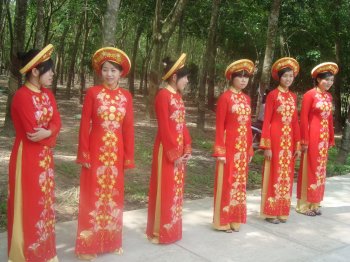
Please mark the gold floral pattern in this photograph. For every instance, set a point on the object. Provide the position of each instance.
(178, 116)
(286, 108)
(46, 225)
(324, 104)
(107, 216)
(242, 108)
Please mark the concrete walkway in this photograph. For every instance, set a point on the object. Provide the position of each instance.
(302, 238)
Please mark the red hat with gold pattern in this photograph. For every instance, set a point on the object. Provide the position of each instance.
(177, 65)
(111, 54)
(239, 65)
(42, 56)
(284, 63)
(325, 67)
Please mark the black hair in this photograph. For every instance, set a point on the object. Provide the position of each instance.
(114, 64)
(42, 67)
(168, 64)
(284, 70)
(241, 73)
(323, 75)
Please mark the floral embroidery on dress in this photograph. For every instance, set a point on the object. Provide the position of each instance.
(324, 104)
(179, 117)
(242, 108)
(107, 215)
(46, 225)
(283, 186)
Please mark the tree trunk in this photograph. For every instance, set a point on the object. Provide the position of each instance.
(110, 23)
(339, 56)
(59, 62)
(162, 31)
(207, 59)
(133, 59)
(269, 51)
(39, 35)
(16, 46)
(211, 78)
(73, 58)
(82, 63)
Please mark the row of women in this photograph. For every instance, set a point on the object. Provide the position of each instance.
(106, 148)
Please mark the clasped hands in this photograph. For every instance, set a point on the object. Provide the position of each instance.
(40, 134)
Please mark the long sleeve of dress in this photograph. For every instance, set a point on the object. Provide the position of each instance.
(85, 126)
(168, 139)
(54, 125)
(296, 127)
(29, 122)
(250, 135)
(187, 141)
(128, 134)
(331, 130)
(304, 118)
(265, 142)
(221, 109)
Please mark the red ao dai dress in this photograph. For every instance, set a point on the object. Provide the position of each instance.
(280, 134)
(173, 140)
(318, 134)
(31, 214)
(106, 142)
(234, 141)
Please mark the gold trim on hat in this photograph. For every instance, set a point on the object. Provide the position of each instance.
(239, 65)
(41, 57)
(325, 67)
(178, 65)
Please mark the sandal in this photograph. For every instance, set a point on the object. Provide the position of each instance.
(317, 211)
(282, 220)
(272, 220)
(309, 213)
(228, 231)
(86, 257)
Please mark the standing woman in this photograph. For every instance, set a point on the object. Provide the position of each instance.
(172, 150)
(317, 136)
(106, 148)
(31, 214)
(233, 149)
(280, 139)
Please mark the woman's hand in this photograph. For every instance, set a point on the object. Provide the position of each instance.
(178, 162)
(304, 148)
(185, 158)
(297, 154)
(268, 154)
(86, 165)
(40, 134)
(221, 159)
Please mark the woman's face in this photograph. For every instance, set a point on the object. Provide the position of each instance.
(110, 74)
(287, 79)
(181, 83)
(326, 83)
(46, 78)
(240, 82)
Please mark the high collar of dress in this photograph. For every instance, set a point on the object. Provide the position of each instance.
(283, 90)
(32, 87)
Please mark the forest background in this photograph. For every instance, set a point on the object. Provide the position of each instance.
(213, 33)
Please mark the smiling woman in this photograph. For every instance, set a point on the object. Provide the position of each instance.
(106, 148)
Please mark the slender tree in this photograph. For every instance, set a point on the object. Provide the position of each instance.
(208, 62)
(110, 23)
(269, 50)
(17, 45)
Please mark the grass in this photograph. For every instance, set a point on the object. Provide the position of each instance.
(333, 167)
(3, 213)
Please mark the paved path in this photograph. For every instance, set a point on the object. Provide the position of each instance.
(302, 238)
